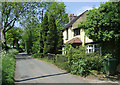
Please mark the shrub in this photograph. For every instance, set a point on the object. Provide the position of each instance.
(94, 63)
(60, 61)
(37, 55)
(12, 51)
(82, 63)
(76, 61)
(80, 68)
(8, 66)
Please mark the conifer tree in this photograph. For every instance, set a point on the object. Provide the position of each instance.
(44, 32)
(51, 39)
(41, 42)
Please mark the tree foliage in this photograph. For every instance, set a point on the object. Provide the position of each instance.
(61, 19)
(22, 12)
(103, 24)
(52, 36)
(13, 36)
(31, 35)
(49, 36)
(42, 26)
(44, 30)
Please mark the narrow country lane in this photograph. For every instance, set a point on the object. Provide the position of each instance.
(29, 70)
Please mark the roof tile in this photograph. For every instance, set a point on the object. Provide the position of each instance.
(74, 40)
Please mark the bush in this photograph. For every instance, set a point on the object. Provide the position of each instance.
(37, 55)
(76, 61)
(8, 66)
(80, 68)
(12, 51)
(60, 61)
(82, 63)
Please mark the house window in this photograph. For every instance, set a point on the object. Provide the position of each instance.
(93, 48)
(76, 32)
(67, 34)
(90, 48)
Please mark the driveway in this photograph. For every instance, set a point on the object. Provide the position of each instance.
(29, 70)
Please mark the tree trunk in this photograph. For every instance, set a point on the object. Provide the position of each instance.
(41, 42)
(17, 45)
(1, 29)
(4, 39)
(13, 43)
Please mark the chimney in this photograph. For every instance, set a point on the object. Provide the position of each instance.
(71, 17)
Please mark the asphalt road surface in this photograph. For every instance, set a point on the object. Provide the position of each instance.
(29, 70)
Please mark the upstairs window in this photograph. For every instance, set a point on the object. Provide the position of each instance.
(76, 32)
(66, 34)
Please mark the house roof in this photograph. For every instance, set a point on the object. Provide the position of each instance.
(74, 40)
(72, 22)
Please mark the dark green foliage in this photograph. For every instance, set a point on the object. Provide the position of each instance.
(8, 66)
(37, 55)
(36, 47)
(41, 42)
(81, 63)
(61, 19)
(13, 36)
(44, 30)
(80, 68)
(18, 12)
(103, 25)
(31, 36)
(28, 42)
(47, 37)
(60, 61)
(21, 46)
(76, 61)
(52, 37)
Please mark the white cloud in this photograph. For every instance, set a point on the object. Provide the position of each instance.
(82, 9)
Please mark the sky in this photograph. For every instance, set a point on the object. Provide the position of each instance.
(79, 7)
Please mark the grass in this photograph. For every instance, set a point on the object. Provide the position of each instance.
(45, 59)
(8, 66)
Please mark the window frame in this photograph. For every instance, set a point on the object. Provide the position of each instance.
(67, 34)
(76, 31)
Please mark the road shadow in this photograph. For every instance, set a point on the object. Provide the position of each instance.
(41, 77)
(22, 56)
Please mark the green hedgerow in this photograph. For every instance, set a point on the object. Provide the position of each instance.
(8, 66)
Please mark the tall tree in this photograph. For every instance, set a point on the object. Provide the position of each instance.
(44, 30)
(17, 11)
(0, 27)
(51, 39)
(13, 36)
(36, 42)
(10, 13)
(30, 35)
(61, 18)
(103, 24)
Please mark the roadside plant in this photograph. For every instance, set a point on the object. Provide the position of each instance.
(82, 63)
(8, 66)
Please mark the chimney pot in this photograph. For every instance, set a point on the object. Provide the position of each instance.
(71, 17)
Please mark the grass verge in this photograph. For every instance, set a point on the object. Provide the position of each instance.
(8, 66)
